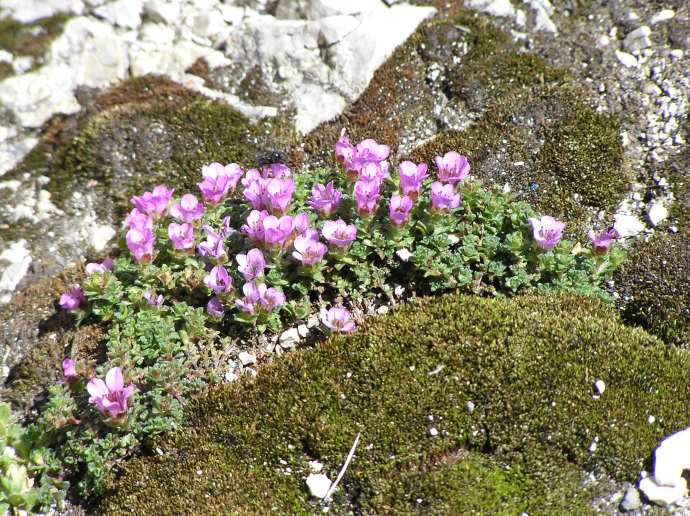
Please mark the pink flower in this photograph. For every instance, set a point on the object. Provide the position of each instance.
(308, 251)
(251, 265)
(259, 297)
(374, 171)
(366, 196)
(151, 299)
(277, 230)
(214, 245)
(411, 178)
(325, 199)
(110, 397)
(254, 228)
(218, 280)
(452, 167)
(399, 210)
(300, 224)
(603, 240)
(547, 231)
(73, 299)
(277, 195)
(101, 268)
(254, 192)
(215, 307)
(271, 298)
(368, 151)
(189, 209)
(181, 235)
(69, 369)
(218, 180)
(344, 152)
(339, 233)
(443, 197)
(276, 171)
(339, 319)
(154, 203)
(140, 242)
(137, 219)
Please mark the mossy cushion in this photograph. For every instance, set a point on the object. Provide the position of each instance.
(528, 365)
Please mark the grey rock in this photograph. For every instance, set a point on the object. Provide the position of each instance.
(638, 39)
(289, 338)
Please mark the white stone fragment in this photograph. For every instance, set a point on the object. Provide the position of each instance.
(662, 495)
(657, 213)
(671, 458)
(403, 254)
(503, 8)
(289, 338)
(638, 39)
(28, 11)
(5, 56)
(123, 13)
(230, 376)
(600, 386)
(318, 485)
(628, 225)
(433, 432)
(315, 466)
(627, 60)
(543, 11)
(661, 16)
(247, 358)
(19, 258)
(631, 500)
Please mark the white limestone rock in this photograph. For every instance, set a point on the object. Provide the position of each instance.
(14, 263)
(164, 11)
(627, 60)
(662, 16)
(543, 10)
(657, 213)
(324, 64)
(638, 39)
(671, 458)
(123, 13)
(628, 225)
(28, 11)
(318, 485)
(34, 97)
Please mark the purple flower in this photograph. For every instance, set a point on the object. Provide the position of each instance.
(368, 151)
(181, 235)
(69, 369)
(218, 180)
(344, 152)
(374, 171)
(252, 264)
(339, 319)
(110, 397)
(308, 251)
(276, 171)
(215, 307)
(213, 246)
(339, 233)
(271, 298)
(73, 299)
(325, 199)
(254, 192)
(189, 209)
(259, 297)
(137, 219)
(249, 303)
(278, 195)
(452, 167)
(153, 203)
(218, 280)
(140, 242)
(603, 240)
(443, 197)
(399, 210)
(300, 224)
(547, 231)
(251, 176)
(254, 228)
(411, 178)
(277, 230)
(151, 299)
(101, 268)
(366, 196)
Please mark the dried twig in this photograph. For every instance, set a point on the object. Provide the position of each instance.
(342, 470)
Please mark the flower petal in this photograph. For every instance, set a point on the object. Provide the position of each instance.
(114, 380)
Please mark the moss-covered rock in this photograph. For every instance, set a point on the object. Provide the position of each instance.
(527, 365)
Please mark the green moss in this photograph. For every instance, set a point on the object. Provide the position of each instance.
(583, 153)
(140, 138)
(527, 364)
(31, 39)
(577, 170)
(6, 70)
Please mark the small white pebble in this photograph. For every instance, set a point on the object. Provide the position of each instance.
(593, 447)
(199, 472)
(651, 420)
(247, 358)
(318, 485)
(600, 386)
(469, 406)
(433, 432)
(315, 466)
